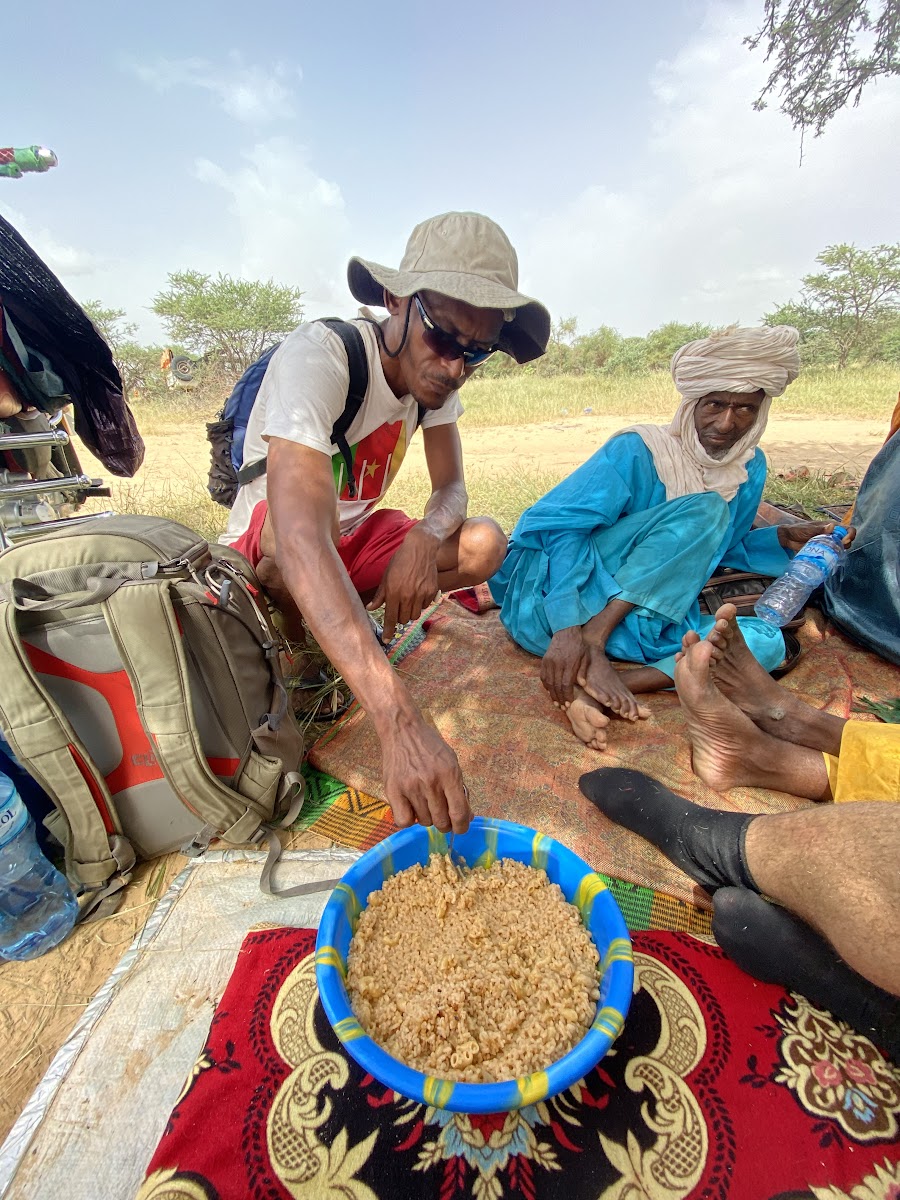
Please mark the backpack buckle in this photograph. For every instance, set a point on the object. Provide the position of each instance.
(199, 843)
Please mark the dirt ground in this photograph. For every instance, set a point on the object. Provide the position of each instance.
(822, 445)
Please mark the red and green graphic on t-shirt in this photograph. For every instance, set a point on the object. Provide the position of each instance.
(376, 460)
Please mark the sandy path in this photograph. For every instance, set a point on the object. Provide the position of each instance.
(178, 452)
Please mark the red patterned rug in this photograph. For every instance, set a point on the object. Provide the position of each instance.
(718, 1087)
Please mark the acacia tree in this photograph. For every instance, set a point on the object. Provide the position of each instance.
(137, 365)
(848, 307)
(235, 320)
(825, 52)
(110, 323)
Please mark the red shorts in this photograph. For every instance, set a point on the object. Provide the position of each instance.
(365, 552)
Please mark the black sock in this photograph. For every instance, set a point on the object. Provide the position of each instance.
(705, 843)
(773, 945)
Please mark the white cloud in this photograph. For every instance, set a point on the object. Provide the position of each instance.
(721, 220)
(293, 225)
(64, 260)
(248, 93)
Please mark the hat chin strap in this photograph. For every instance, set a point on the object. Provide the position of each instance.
(379, 332)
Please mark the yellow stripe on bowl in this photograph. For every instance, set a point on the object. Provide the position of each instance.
(589, 888)
(349, 1029)
(328, 956)
(532, 1088)
(438, 843)
(618, 950)
(488, 856)
(609, 1021)
(540, 851)
(437, 1092)
(352, 906)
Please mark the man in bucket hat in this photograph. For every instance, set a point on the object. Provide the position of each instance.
(311, 532)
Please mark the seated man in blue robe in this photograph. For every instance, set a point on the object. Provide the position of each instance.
(609, 564)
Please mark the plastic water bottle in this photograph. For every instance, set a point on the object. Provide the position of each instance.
(808, 569)
(37, 906)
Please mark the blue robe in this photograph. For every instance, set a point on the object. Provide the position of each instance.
(607, 532)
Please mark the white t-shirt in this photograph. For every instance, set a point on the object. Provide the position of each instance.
(303, 393)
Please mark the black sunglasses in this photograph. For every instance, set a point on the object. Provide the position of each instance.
(445, 345)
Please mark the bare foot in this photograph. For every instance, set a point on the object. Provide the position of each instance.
(772, 708)
(588, 720)
(743, 680)
(719, 636)
(726, 745)
(603, 683)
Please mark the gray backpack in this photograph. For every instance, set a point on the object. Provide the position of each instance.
(140, 686)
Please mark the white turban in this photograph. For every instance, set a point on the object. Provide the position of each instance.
(738, 360)
(735, 360)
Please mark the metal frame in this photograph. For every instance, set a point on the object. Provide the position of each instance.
(20, 486)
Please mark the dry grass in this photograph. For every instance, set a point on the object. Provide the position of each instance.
(867, 392)
(184, 500)
(522, 399)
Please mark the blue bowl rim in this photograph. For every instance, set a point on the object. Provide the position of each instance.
(472, 1097)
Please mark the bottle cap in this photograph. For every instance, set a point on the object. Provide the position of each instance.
(839, 531)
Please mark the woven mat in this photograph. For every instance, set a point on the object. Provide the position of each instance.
(706, 1068)
(521, 761)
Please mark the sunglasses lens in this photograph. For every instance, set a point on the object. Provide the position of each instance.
(444, 345)
(441, 344)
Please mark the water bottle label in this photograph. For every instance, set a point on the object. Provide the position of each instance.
(13, 817)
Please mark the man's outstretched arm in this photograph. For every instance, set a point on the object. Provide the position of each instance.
(421, 774)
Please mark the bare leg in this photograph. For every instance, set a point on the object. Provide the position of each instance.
(728, 749)
(641, 680)
(291, 620)
(770, 943)
(837, 868)
(773, 708)
(474, 553)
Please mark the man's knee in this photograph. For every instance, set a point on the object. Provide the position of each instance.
(269, 574)
(482, 547)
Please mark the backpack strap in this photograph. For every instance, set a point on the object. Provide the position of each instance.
(358, 385)
(252, 471)
(41, 736)
(356, 390)
(144, 627)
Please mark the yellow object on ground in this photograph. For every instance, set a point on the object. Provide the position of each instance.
(869, 764)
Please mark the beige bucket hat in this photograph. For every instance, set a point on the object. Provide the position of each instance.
(468, 257)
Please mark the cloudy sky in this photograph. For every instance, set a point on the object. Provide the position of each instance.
(615, 143)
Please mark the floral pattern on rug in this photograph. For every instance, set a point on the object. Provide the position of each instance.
(684, 1106)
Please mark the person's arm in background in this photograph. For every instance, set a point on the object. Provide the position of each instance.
(422, 779)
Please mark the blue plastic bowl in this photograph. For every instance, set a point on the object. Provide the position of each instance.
(485, 841)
